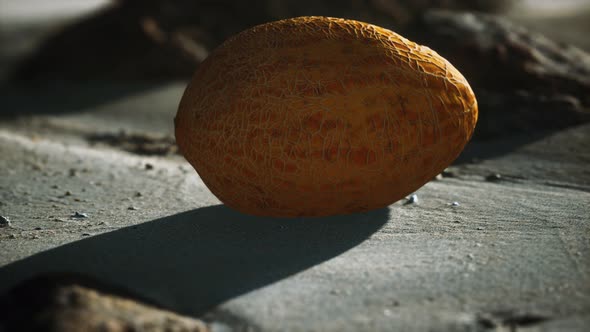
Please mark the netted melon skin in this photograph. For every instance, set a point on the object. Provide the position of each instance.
(317, 116)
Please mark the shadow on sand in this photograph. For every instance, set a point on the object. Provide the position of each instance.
(62, 97)
(194, 260)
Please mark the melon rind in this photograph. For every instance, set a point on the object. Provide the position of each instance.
(317, 116)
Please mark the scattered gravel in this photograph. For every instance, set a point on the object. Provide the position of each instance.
(412, 200)
(494, 177)
(79, 215)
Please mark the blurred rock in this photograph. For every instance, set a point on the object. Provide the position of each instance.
(157, 39)
(522, 80)
(118, 43)
(503, 113)
(405, 11)
(143, 144)
(71, 303)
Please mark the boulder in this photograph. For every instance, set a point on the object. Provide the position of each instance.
(69, 303)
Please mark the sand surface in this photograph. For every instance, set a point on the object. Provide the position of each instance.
(512, 253)
(517, 247)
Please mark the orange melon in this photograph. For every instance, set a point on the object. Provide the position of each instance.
(316, 116)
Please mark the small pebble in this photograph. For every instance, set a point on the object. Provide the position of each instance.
(133, 208)
(72, 172)
(85, 234)
(12, 236)
(68, 193)
(494, 177)
(149, 166)
(38, 228)
(480, 228)
(455, 204)
(4, 222)
(448, 173)
(412, 200)
(137, 194)
(79, 215)
(470, 256)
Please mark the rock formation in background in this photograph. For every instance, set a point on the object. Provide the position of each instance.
(523, 81)
(166, 39)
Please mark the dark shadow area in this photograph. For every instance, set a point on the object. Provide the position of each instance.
(61, 97)
(477, 150)
(194, 260)
(164, 39)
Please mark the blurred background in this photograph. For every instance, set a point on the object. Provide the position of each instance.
(526, 59)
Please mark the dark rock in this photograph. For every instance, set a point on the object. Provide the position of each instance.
(404, 11)
(494, 177)
(523, 81)
(413, 199)
(487, 321)
(79, 215)
(510, 319)
(4, 222)
(510, 112)
(74, 303)
(142, 144)
(167, 39)
(448, 173)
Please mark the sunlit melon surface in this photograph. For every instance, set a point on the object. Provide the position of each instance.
(317, 116)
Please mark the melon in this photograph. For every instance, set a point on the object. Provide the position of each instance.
(318, 116)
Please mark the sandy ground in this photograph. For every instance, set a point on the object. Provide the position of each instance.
(513, 250)
(512, 254)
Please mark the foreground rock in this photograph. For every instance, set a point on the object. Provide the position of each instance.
(522, 80)
(71, 304)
